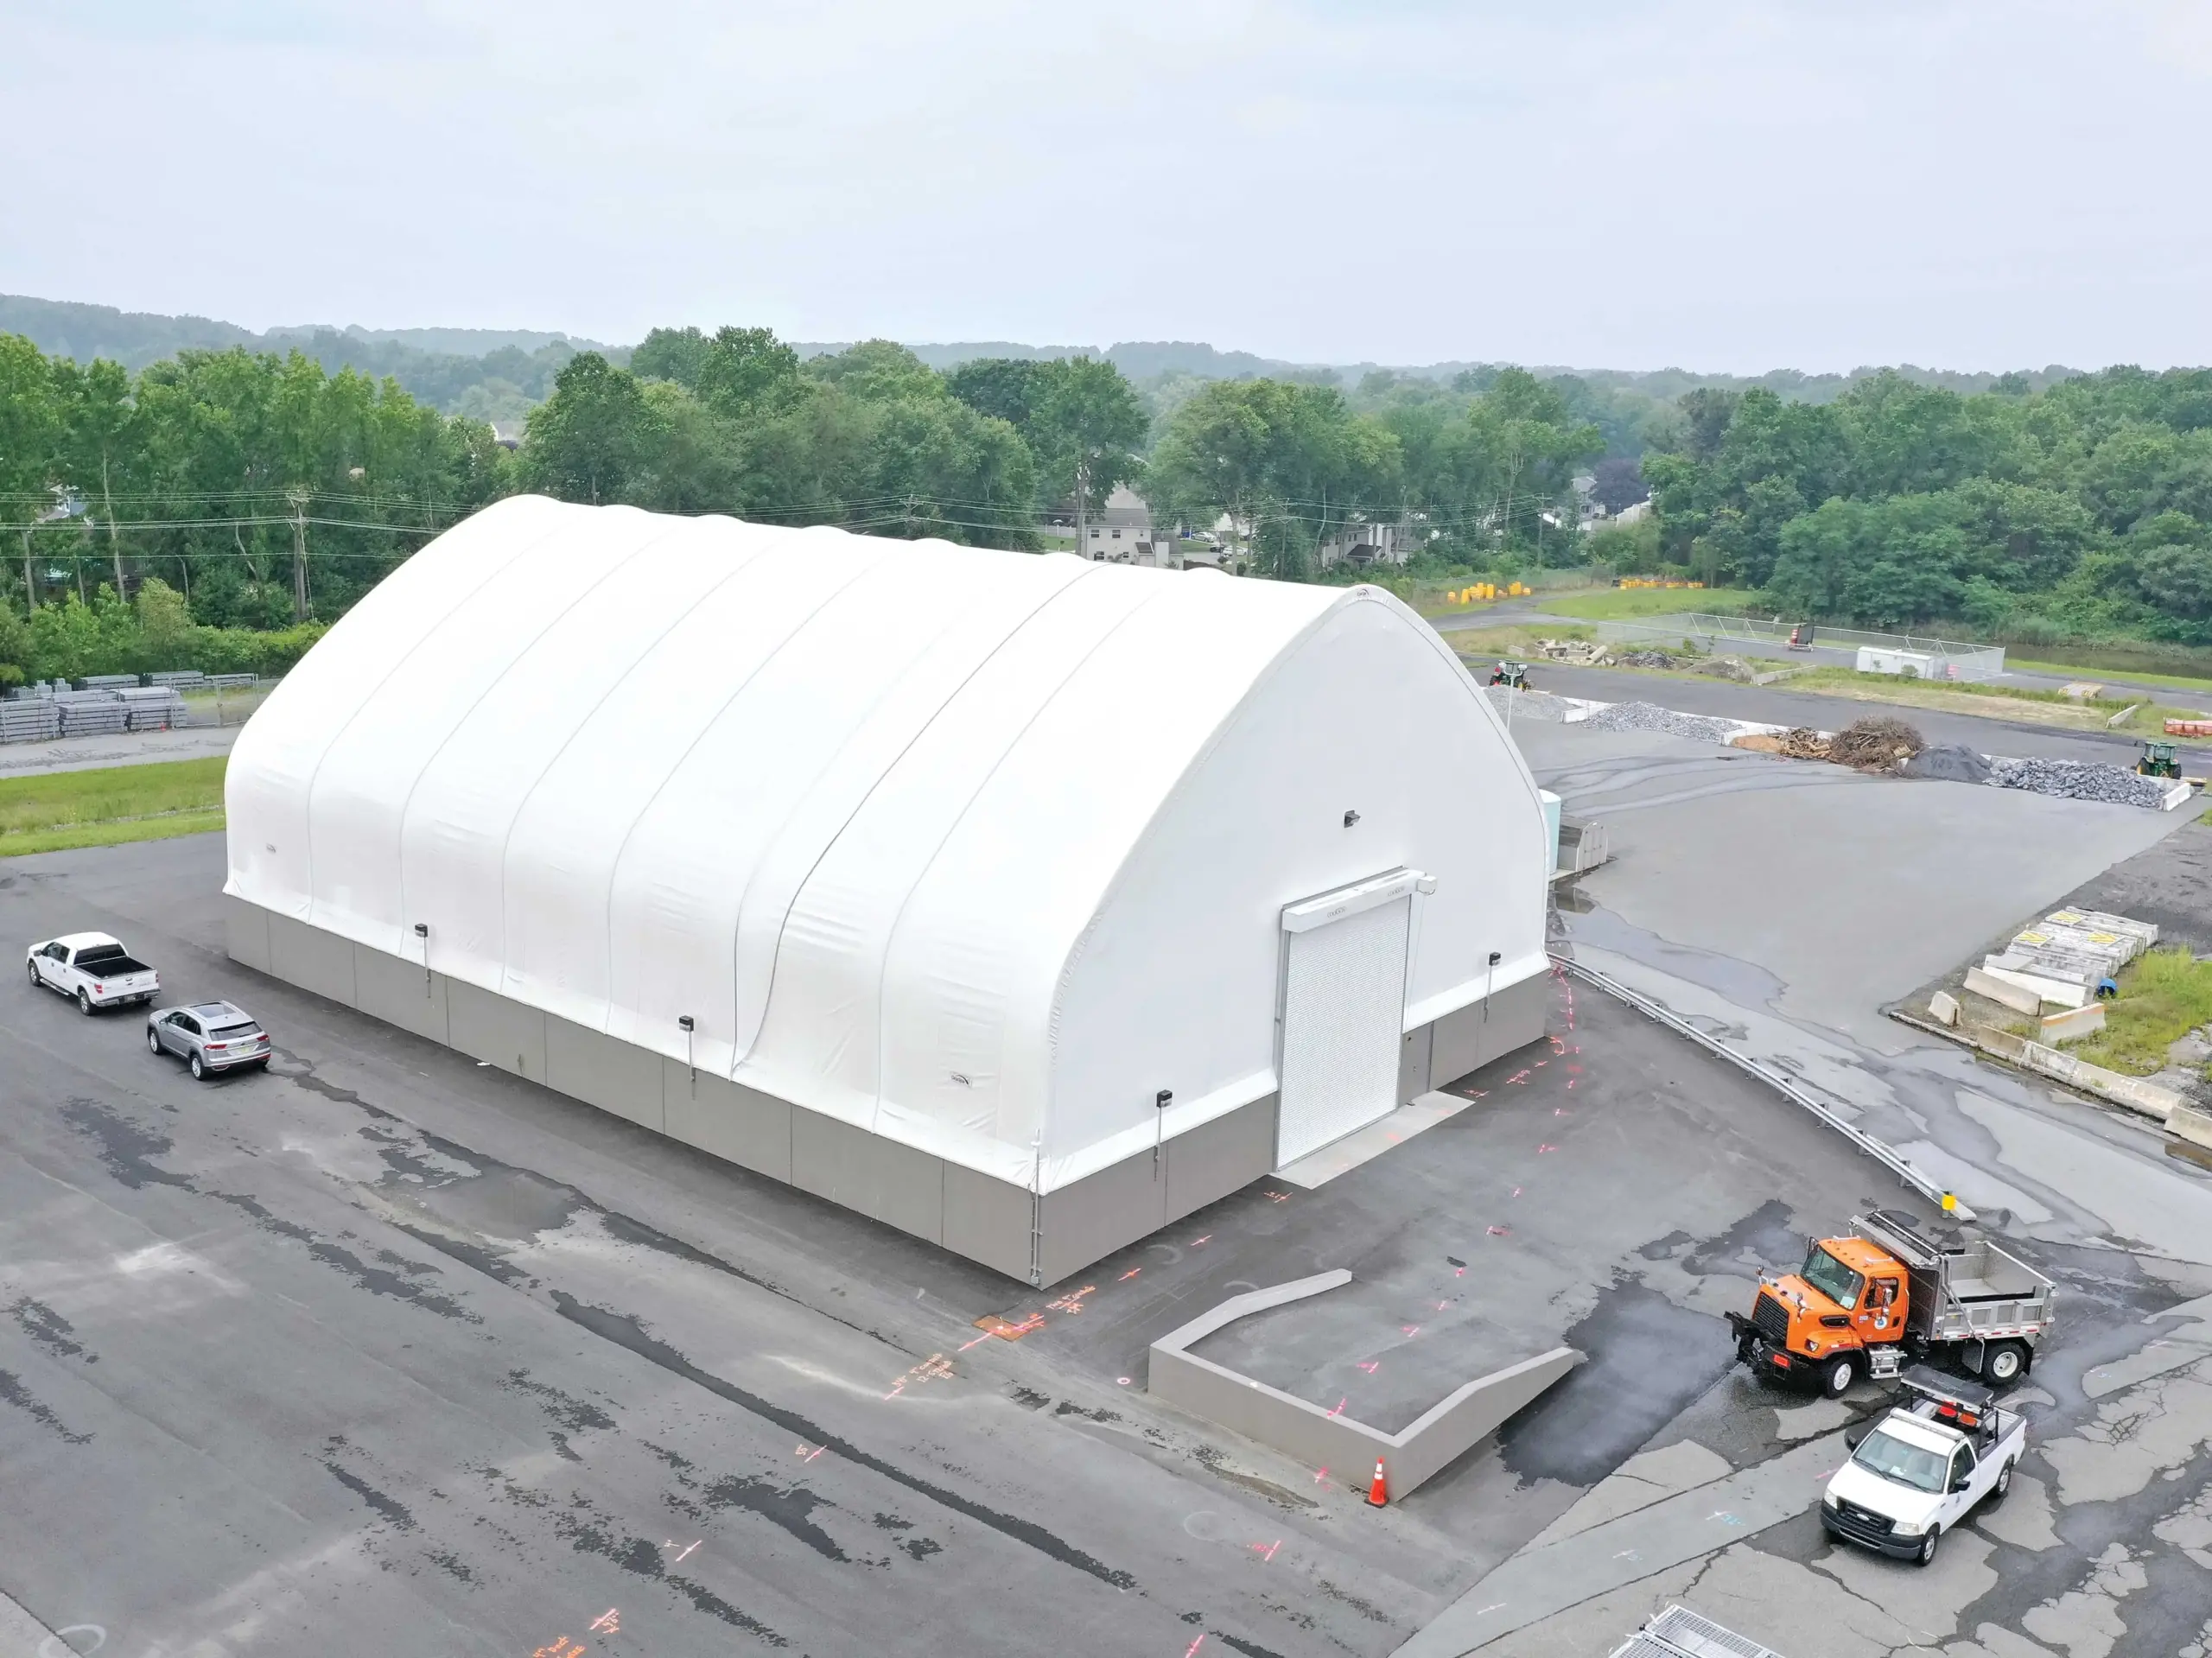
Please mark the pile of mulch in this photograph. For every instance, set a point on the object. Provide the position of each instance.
(1876, 744)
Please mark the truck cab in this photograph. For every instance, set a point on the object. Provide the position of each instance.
(1823, 1323)
(1924, 1468)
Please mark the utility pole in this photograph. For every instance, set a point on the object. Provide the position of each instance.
(114, 545)
(299, 500)
(30, 589)
(1082, 507)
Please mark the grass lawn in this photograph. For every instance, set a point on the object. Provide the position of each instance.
(2179, 681)
(59, 809)
(1627, 604)
(2019, 703)
(2164, 995)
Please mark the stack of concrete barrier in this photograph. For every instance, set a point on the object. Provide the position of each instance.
(2063, 960)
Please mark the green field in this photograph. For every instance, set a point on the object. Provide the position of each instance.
(59, 809)
(1627, 604)
(2163, 996)
(2179, 681)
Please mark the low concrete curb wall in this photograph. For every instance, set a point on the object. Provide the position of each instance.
(2146, 1098)
(1296, 1428)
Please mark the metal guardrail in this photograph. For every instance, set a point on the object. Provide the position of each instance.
(1859, 1137)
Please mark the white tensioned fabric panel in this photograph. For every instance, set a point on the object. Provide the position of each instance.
(974, 965)
(360, 794)
(274, 760)
(1344, 994)
(825, 1030)
(569, 833)
(745, 812)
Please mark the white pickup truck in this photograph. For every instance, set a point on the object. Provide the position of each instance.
(1921, 1470)
(93, 969)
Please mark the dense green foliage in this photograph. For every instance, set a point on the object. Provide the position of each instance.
(162, 503)
(2084, 510)
(1477, 475)
(181, 487)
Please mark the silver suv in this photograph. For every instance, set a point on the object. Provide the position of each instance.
(212, 1036)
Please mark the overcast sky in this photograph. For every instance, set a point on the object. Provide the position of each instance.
(1631, 183)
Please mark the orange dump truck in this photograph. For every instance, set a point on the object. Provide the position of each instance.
(1867, 1304)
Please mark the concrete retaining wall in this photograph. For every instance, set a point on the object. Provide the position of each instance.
(1284, 1423)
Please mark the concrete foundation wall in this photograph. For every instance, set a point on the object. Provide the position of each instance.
(972, 1214)
(1465, 1041)
(1323, 1438)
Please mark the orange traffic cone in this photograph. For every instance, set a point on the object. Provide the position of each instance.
(1377, 1496)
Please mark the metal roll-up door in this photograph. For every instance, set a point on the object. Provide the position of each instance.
(1344, 1010)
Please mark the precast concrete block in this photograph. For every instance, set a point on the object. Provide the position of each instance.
(739, 1125)
(401, 993)
(604, 1070)
(488, 1026)
(246, 933)
(312, 959)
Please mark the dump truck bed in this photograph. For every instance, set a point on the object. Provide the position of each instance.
(1978, 1292)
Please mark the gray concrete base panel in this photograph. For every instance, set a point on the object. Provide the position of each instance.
(311, 958)
(245, 932)
(401, 993)
(739, 1125)
(602, 1070)
(491, 1027)
(1323, 1438)
(1462, 1043)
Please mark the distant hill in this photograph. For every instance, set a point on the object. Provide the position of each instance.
(500, 373)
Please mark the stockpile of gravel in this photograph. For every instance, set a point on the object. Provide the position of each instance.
(1649, 716)
(1948, 763)
(2077, 780)
(1525, 705)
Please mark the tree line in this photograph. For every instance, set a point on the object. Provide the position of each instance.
(255, 496)
(2081, 510)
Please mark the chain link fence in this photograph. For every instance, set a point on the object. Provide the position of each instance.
(104, 704)
(1907, 654)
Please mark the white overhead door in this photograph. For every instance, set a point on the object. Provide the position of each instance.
(1343, 1006)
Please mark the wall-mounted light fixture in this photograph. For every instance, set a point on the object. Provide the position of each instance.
(423, 932)
(688, 1025)
(1160, 1102)
(1350, 818)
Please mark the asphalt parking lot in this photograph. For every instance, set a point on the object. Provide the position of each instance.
(384, 1349)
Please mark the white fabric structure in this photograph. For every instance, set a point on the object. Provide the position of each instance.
(976, 850)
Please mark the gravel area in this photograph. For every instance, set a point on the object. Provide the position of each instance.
(1649, 716)
(1525, 705)
(2073, 780)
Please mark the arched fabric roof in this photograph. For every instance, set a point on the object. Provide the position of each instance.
(858, 806)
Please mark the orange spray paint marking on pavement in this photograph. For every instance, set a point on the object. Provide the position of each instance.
(1411, 1330)
(1267, 1550)
(1369, 1365)
(1191, 1651)
(1541, 1149)
(1500, 1231)
(561, 1647)
(1516, 1191)
(1341, 1403)
(1072, 1303)
(608, 1622)
(1128, 1275)
(1195, 1242)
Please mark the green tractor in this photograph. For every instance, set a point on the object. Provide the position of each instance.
(2159, 761)
(1514, 676)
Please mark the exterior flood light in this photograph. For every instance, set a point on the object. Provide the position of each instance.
(688, 1025)
(1350, 818)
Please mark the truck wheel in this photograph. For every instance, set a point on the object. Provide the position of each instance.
(1842, 1371)
(84, 1002)
(1927, 1548)
(199, 1070)
(153, 1040)
(2005, 1363)
(1997, 1491)
(31, 967)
